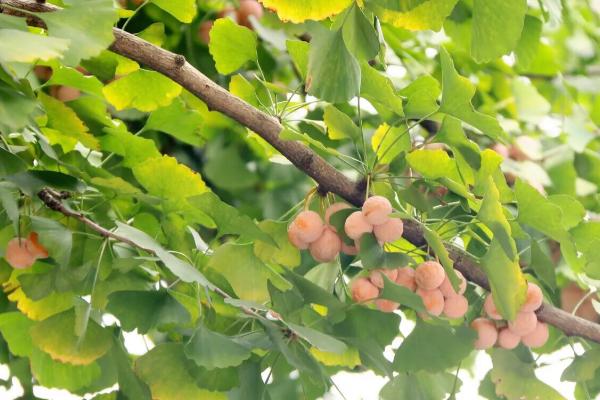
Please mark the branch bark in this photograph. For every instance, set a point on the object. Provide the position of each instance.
(330, 179)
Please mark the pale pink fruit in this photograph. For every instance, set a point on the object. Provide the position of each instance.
(433, 301)
(363, 290)
(538, 337)
(327, 247)
(507, 339)
(389, 231)
(534, 298)
(448, 290)
(17, 254)
(204, 32)
(357, 225)
(332, 209)
(487, 334)
(294, 239)
(310, 226)
(350, 250)
(406, 278)
(490, 308)
(34, 247)
(386, 305)
(376, 276)
(377, 209)
(429, 275)
(249, 8)
(456, 306)
(523, 324)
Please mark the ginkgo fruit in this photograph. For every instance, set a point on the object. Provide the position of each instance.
(332, 209)
(295, 239)
(507, 339)
(17, 254)
(309, 226)
(327, 247)
(523, 324)
(65, 93)
(538, 337)
(376, 276)
(363, 290)
(350, 250)
(34, 247)
(487, 334)
(448, 290)
(204, 31)
(433, 301)
(377, 209)
(247, 9)
(406, 277)
(389, 231)
(455, 306)
(490, 308)
(357, 225)
(429, 275)
(386, 305)
(534, 299)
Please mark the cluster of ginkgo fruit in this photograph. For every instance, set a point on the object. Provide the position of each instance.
(21, 253)
(525, 328)
(428, 280)
(309, 231)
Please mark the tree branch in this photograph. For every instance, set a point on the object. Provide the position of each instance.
(175, 67)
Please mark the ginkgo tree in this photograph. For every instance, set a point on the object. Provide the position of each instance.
(264, 192)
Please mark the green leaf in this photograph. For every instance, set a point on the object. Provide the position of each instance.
(421, 97)
(31, 182)
(298, 51)
(169, 374)
(492, 214)
(228, 219)
(143, 90)
(418, 386)
(129, 383)
(178, 121)
(433, 348)
(19, 46)
(542, 265)
(572, 210)
(333, 72)
(284, 253)
(73, 78)
(10, 164)
(291, 10)
(56, 336)
(339, 124)
(465, 151)
(155, 33)
(183, 10)
(55, 237)
(15, 109)
(507, 282)
(497, 26)
(539, 213)
(586, 237)
(584, 367)
(87, 24)
(62, 118)
(529, 42)
(318, 339)
(145, 310)
(212, 350)
(401, 294)
(132, 148)
(516, 380)
(226, 168)
(434, 164)
(15, 327)
(379, 90)
(429, 14)
(388, 142)
(359, 34)
(231, 45)
(457, 92)
(54, 374)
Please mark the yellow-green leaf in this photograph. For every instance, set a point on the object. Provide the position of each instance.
(429, 14)
(19, 46)
(231, 45)
(183, 10)
(300, 11)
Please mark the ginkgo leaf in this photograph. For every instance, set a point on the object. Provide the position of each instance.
(19, 46)
(133, 149)
(294, 11)
(231, 45)
(144, 90)
(54, 374)
(429, 14)
(183, 10)
(211, 350)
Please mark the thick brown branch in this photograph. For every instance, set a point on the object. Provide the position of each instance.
(269, 128)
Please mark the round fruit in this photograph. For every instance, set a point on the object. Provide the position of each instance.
(327, 247)
(448, 290)
(357, 225)
(309, 225)
(34, 247)
(332, 209)
(204, 32)
(523, 324)
(294, 239)
(456, 306)
(507, 339)
(538, 337)
(249, 8)
(42, 72)
(377, 209)
(389, 231)
(490, 308)
(376, 276)
(433, 301)
(571, 295)
(363, 290)
(534, 298)
(17, 254)
(486, 333)
(406, 278)
(429, 275)
(350, 250)
(386, 305)
(501, 149)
